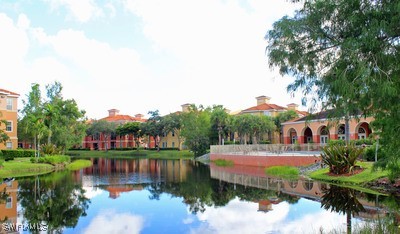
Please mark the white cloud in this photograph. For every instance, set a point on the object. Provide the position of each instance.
(210, 52)
(80, 10)
(91, 192)
(111, 222)
(220, 45)
(243, 217)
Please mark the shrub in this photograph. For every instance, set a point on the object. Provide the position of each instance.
(52, 159)
(231, 142)
(57, 159)
(166, 148)
(11, 154)
(125, 148)
(341, 159)
(336, 142)
(288, 172)
(50, 149)
(223, 163)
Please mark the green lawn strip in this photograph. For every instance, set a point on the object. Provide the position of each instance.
(223, 163)
(152, 154)
(20, 167)
(365, 176)
(286, 172)
(79, 164)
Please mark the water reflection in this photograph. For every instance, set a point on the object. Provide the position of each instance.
(52, 199)
(8, 201)
(178, 196)
(342, 200)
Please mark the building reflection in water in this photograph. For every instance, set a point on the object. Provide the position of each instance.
(256, 177)
(123, 175)
(8, 202)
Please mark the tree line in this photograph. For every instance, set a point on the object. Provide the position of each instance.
(198, 128)
(51, 120)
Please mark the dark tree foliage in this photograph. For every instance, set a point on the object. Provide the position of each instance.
(345, 53)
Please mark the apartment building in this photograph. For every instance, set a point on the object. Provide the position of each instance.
(9, 113)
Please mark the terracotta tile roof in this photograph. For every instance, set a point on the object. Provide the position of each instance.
(8, 92)
(304, 113)
(123, 118)
(264, 107)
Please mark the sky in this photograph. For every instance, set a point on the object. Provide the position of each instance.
(143, 55)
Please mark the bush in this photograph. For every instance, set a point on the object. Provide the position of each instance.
(19, 153)
(125, 148)
(336, 142)
(223, 163)
(52, 159)
(341, 159)
(166, 148)
(231, 142)
(1, 162)
(367, 141)
(50, 149)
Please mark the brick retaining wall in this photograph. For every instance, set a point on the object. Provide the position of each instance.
(267, 161)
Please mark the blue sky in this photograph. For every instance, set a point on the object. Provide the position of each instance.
(142, 55)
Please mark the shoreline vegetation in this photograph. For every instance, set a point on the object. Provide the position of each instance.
(24, 167)
(130, 154)
(29, 166)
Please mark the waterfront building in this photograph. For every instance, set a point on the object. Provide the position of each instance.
(9, 113)
(101, 142)
(265, 107)
(319, 128)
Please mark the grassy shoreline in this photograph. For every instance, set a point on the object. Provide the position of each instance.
(23, 167)
(367, 175)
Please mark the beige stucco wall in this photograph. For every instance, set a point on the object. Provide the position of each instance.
(317, 125)
(9, 115)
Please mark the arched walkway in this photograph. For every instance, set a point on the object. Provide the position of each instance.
(308, 135)
(363, 130)
(341, 132)
(323, 135)
(292, 136)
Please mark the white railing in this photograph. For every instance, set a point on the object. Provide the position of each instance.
(264, 149)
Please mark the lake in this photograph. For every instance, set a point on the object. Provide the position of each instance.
(182, 196)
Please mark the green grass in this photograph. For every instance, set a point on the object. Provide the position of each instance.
(365, 176)
(286, 172)
(152, 154)
(20, 167)
(223, 162)
(79, 164)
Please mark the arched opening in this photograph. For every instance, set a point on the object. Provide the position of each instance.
(293, 184)
(292, 136)
(308, 185)
(308, 136)
(324, 135)
(341, 132)
(363, 130)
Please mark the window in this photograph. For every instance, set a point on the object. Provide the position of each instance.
(9, 145)
(173, 133)
(173, 144)
(9, 203)
(9, 126)
(9, 104)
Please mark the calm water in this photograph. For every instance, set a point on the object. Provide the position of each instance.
(172, 196)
